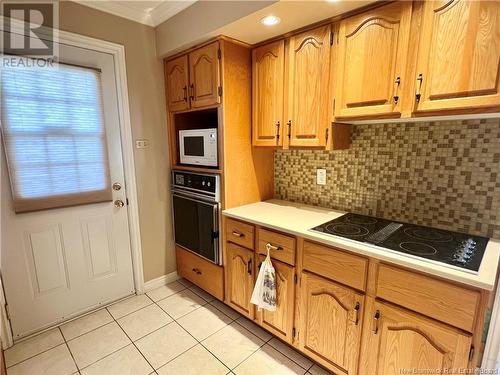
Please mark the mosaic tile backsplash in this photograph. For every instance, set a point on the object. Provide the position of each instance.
(441, 174)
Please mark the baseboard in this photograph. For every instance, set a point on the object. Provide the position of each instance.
(160, 281)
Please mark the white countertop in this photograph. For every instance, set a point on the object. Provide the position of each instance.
(298, 219)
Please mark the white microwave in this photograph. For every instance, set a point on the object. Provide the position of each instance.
(198, 147)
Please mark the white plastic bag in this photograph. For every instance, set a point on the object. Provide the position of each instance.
(264, 292)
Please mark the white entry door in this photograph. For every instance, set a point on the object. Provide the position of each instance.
(61, 261)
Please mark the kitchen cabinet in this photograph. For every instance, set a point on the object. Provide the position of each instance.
(458, 57)
(309, 97)
(177, 81)
(204, 78)
(240, 279)
(330, 322)
(372, 58)
(268, 65)
(396, 339)
(280, 322)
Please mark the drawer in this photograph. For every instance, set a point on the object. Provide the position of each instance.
(240, 233)
(201, 272)
(282, 246)
(337, 265)
(435, 298)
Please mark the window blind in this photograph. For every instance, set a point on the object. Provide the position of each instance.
(54, 136)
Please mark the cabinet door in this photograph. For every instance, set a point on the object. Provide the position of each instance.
(330, 323)
(176, 76)
(204, 79)
(268, 64)
(280, 322)
(396, 340)
(239, 278)
(309, 97)
(459, 56)
(372, 56)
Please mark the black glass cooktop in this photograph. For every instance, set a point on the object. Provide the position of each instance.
(453, 248)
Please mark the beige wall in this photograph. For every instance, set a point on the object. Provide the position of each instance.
(148, 118)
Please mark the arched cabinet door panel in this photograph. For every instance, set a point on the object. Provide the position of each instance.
(204, 75)
(239, 279)
(396, 339)
(177, 76)
(330, 323)
(268, 65)
(459, 56)
(372, 58)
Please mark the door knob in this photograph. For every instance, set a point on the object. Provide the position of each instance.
(119, 203)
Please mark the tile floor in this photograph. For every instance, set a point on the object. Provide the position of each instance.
(175, 329)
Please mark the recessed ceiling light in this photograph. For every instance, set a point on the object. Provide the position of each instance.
(270, 20)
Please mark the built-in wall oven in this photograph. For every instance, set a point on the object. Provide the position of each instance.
(196, 209)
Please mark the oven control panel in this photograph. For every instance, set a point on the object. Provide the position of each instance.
(203, 183)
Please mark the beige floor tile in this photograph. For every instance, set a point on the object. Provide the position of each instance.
(204, 321)
(126, 361)
(86, 324)
(196, 361)
(144, 321)
(95, 345)
(254, 328)
(206, 296)
(186, 283)
(56, 361)
(33, 346)
(129, 305)
(181, 303)
(226, 309)
(165, 344)
(165, 291)
(233, 344)
(318, 370)
(291, 353)
(268, 361)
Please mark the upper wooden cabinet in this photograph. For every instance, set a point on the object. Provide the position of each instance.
(177, 81)
(396, 339)
(268, 64)
(372, 57)
(204, 81)
(330, 323)
(309, 97)
(193, 80)
(459, 56)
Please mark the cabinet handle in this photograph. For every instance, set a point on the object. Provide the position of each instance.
(376, 318)
(289, 123)
(277, 131)
(185, 93)
(249, 266)
(270, 246)
(238, 234)
(420, 79)
(191, 96)
(356, 313)
(197, 271)
(396, 89)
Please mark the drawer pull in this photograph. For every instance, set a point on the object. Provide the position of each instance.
(356, 312)
(197, 271)
(238, 234)
(270, 247)
(376, 318)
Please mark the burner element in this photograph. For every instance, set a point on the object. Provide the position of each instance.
(361, 220)
(418, 248)
(347, 229)
(428, 234)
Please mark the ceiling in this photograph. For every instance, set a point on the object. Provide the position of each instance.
(148, 12)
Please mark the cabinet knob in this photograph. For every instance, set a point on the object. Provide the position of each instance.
(277, 131)
(289, 123)
(418, 94)
(185, 93)
(238, 234)
(356, 313)
(191, 96)
(270, 246)
(376, 318)
(397, 82)
(249, 266)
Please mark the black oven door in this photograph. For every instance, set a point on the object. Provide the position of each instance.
(196, 223)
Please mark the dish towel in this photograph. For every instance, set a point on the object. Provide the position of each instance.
(264, 292)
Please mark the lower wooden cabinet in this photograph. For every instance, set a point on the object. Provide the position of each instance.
(396, 340)
(239, 279)
(330, 323)
(280, 322)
